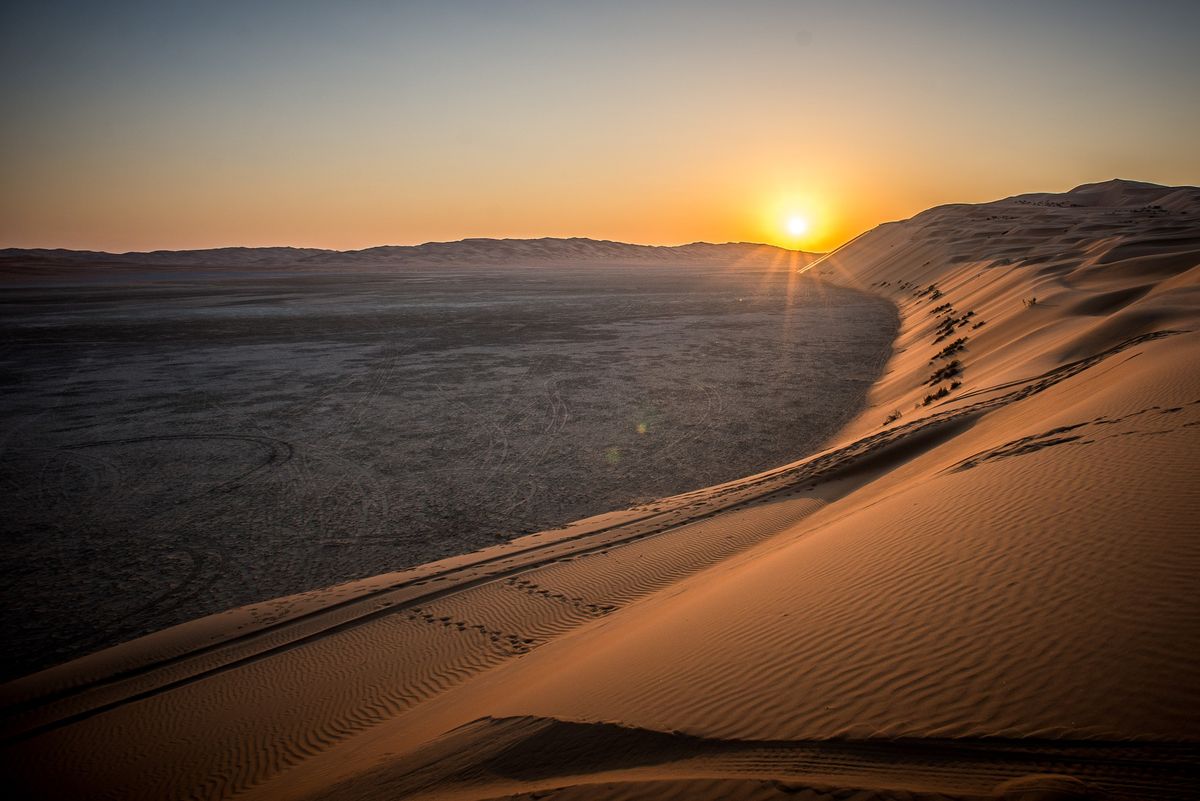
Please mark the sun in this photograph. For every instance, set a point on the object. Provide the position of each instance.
(795, 220)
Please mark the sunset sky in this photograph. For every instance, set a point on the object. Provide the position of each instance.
(144, 125)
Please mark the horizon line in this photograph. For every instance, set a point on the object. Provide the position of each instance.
(418, 245)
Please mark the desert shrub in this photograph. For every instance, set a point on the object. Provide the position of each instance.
(942, 373)
(930, 398)
(954, 347)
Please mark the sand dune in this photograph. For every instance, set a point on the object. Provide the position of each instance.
(983, 589)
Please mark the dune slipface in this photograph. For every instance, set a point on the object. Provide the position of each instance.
(984, 589)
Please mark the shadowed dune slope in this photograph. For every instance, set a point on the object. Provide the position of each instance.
(983, 589)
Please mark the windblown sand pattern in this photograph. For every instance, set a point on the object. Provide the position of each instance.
(985, 592)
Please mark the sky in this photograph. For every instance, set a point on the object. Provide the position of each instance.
(146, 125)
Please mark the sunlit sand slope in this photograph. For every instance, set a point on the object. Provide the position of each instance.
(981, 592)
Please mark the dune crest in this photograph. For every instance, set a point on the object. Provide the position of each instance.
(39, 263)
(983, 589)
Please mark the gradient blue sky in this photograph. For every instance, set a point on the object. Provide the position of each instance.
(140, 125)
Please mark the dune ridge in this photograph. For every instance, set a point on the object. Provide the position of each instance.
(30, 263)
(982, 589)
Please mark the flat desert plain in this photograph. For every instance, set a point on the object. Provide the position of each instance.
(982, 587)
(182, 442)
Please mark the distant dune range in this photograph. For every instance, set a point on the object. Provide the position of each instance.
(42, 262)
(984, 588)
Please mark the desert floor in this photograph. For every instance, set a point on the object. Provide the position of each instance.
(180, 443)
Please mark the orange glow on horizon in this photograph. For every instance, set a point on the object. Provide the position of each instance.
(405, 123)
(800, 221)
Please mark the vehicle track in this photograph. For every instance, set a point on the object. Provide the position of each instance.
(278, 452)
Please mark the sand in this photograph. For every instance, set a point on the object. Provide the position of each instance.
(986, 592)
